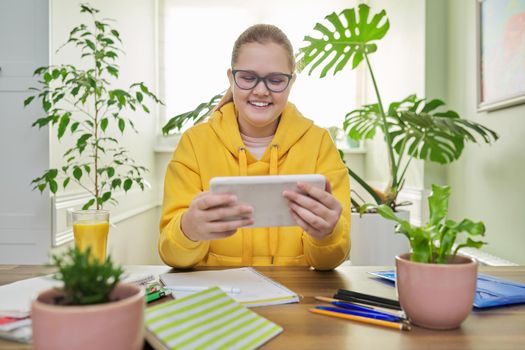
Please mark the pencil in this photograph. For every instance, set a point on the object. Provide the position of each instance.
(394, 325)
(335, 302)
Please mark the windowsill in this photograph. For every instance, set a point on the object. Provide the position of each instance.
(163, 149)
(166, 144)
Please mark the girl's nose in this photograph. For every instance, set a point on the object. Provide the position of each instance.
(261, 89)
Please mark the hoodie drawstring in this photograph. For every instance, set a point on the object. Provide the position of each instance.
(243, 162)
(247, 242)
(247, 238)
(274, 231)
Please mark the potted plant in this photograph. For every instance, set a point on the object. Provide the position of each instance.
(413, 128)
(92, 310)
(435, 285)
(85, 104)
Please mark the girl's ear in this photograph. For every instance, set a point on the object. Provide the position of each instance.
(292, 81)
(230, 76)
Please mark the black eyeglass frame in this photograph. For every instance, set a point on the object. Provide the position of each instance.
(235, 71)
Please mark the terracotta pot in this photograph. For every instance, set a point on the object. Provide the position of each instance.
(114, 325)
(436, 296)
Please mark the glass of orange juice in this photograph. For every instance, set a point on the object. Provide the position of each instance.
(90, 228)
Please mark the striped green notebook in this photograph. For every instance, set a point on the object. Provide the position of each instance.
(208, 320)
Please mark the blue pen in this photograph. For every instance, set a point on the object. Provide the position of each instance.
(372, 314)
(349, 306)
(352, 306)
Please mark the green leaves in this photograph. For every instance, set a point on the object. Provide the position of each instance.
(86, 279)
(47, 179)
(197, 115)
(77, 173)
(438, 204)
(347, 36)
(127, 184)
(432, 135)
(433, 243)
(64, 122)
(28, 100)
(418, 129)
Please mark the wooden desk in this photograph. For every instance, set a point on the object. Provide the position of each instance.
(501, 328)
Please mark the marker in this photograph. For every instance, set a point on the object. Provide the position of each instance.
(226, 289)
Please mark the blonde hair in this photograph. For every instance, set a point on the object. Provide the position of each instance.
(262, 34)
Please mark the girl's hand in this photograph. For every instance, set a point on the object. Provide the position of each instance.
(209, 217)
(317, 211)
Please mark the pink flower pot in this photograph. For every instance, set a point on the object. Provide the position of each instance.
(114, 325)
(436, 296)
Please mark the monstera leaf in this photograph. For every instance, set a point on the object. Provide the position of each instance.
(352, 37)
(417, 128)
(428, 134)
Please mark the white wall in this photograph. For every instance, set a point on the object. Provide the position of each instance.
(487, 182)
(134, 238)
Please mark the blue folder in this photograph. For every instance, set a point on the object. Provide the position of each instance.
(490, 291)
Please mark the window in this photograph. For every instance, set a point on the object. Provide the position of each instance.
(196, 42)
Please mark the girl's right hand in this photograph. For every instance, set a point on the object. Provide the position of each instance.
(209, 216)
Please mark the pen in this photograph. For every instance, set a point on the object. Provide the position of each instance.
(368, 309)
(394, 325)
(226, 289)
(371, 314)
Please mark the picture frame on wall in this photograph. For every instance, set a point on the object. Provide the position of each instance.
(501, 53)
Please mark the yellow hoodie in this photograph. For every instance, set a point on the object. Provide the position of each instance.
(214, 149)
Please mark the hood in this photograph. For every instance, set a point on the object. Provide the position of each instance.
(292, 126)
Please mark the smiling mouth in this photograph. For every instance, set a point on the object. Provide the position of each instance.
(259, 104)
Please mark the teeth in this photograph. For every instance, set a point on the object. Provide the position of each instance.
(260, 104)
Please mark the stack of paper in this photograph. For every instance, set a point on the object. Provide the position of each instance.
(16, 297)
(249, 287)
(208, 320)
(17, 329)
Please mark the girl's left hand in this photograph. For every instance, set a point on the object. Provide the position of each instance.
(317, 211)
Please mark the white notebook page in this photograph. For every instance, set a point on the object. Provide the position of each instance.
(255, 288)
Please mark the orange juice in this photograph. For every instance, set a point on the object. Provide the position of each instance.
(92, 234)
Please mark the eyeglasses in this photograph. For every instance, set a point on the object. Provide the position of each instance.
(247, 80)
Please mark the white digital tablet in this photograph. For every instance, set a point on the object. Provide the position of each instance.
(265, 195)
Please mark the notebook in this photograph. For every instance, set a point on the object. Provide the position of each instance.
(254, 288)
(208, 320)
(490, 292)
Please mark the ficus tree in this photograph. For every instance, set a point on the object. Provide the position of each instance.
(85, 104)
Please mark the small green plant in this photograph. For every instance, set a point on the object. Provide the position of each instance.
(434, 242)
(86, 280)
(84, 104)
